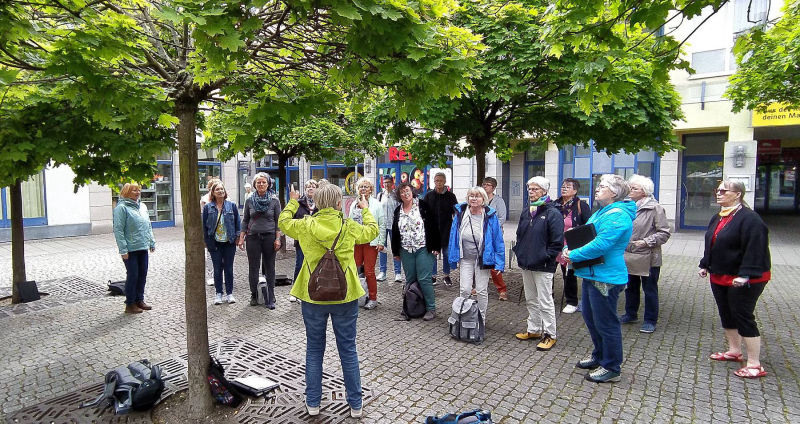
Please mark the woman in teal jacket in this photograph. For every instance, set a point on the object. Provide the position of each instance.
(602, 283)
(134, 236)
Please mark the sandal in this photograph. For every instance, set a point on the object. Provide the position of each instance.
(503, 296)
(756, 371)
(726, 356)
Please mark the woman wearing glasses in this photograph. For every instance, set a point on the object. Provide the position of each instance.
(737, 261)
(602, 283)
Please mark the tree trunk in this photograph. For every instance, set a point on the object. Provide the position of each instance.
(480, 160)
(17, 241)
(200, 400)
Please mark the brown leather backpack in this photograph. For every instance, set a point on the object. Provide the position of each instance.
(328, 282)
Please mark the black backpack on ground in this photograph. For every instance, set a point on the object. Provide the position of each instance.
(116, 288)
(413, 301)
(136, 386)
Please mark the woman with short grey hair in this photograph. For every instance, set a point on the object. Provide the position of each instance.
(603, 282)
(643, 254)
(261, 236)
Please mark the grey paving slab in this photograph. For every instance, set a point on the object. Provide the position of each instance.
(415, 366)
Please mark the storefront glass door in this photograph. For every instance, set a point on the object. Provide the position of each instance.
(701, 176)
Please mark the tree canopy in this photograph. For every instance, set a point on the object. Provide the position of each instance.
(768, 60)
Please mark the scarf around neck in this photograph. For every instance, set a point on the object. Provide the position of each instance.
(261, 203)
(542, 200)
(725, 211)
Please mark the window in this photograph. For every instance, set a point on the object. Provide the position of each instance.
(33, 206)
(748, 13)
(709, 61)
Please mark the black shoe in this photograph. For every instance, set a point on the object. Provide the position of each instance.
(253, 301)
(270, 306)
(447, 281)
(433, 281)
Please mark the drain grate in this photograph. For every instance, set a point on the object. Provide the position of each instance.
(61, 291)
(286, 405)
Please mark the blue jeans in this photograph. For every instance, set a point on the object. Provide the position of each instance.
(222, 259)
(444, 254)
(600, 314)
(298, 261)
(343, 318)
(650, 287)
(418, 266)
(382, 257)
(136, 267)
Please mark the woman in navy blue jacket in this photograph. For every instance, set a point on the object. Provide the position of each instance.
(540, 237)
(476, 242)
(220, 232)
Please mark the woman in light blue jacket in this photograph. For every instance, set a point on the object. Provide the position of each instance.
(134, 236)
(476, 243)
(220, 232)
(367, 254)
(602, 283)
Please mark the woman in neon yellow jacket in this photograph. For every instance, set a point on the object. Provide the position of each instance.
(316, 234)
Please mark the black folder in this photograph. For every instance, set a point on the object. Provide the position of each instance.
(578, 237)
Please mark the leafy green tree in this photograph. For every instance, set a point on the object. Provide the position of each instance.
(527, 94)
(768, 61)
(130, 54)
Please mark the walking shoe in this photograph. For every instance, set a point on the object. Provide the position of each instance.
(381, 276)
(398, 278)
(626, 319)
(210, 282)
(253, 300)
(447, 281)
(433, 280)
(503, 295)
(528, 336)
(270, 306)
(312, 410)
(133, 309)
(648, 328)
(602, 375)
(588, 363)
(143, 305)
(356, 413)
(570, 309)
(546, 344)
(262, 279)
(231, 299)
(371, 304)
(292, 298)
(429, 315)
(218, 299)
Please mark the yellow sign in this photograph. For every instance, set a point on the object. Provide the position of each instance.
(777, 114)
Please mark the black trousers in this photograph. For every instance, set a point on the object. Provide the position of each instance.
(737, 307)
(570, 286)
(261, 250)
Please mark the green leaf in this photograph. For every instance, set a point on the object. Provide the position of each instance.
(166, 120)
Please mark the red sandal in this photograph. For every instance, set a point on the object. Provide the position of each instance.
(756, 371)
(726, 356)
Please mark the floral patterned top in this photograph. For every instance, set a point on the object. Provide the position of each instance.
(412, 229)
(220, 234)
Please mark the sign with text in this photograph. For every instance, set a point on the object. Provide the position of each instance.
(777, 114)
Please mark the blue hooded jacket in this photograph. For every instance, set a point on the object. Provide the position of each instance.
(614, 225)
(494, 248)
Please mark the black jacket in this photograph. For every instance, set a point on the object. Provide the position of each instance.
(581, 212)
(302, 211)
(441, 205)
(432, 241)
(540, 238)
(741, 248)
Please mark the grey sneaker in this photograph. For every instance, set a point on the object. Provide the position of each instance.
(602, 375)
(210, 282)
(292, 298)
(429, 315)
(626, 319)
(588, 363)
(648, 327)
(371, 304)
(398, 278)
(381, 276)
(312, 410)
(218, 299)
(231, 299)
(356, 413)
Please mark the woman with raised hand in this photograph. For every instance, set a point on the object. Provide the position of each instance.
(737, 261)
(366, 254)
(260, 231)
(307, 207)
(317, 233)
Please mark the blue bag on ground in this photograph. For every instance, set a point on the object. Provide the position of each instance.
(476, 416)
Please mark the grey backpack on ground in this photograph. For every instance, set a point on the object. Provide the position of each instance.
(466, 321)
(136, 386)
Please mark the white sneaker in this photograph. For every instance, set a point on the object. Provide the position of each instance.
(312, 410)
(262, 279)
(231, 299)
(218, 299)
(381, 276)
(292, 298)
(371, 304)
(570, 309)
(398, 278)
(210, 282)
(356, 413)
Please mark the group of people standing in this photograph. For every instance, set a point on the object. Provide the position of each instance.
(629, 224)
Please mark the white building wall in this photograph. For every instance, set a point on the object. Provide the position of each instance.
(101, 213)
(63, 206)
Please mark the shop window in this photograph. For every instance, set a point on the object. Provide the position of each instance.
(33, 204)
(704, 144)
(207, 172)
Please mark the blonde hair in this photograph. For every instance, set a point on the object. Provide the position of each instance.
(212, 182)
(328, 196)
(127, 189)
(311, 182)
(321, 182)
(481, 191)
(367, 181)
(213, 198)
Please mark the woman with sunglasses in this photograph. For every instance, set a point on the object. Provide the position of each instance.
(737, 261)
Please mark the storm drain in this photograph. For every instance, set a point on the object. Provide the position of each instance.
(285, 405)
(60, 291)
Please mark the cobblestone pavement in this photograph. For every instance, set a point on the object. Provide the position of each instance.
(418, 369)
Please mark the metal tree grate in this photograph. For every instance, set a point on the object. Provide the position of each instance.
(285, 405)
(61, 291)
